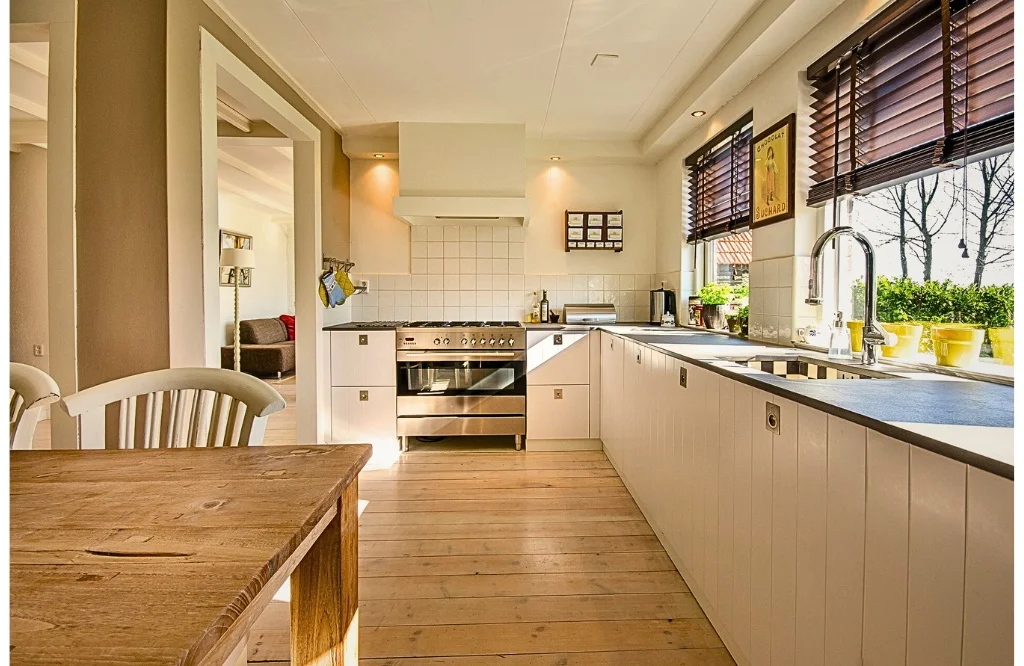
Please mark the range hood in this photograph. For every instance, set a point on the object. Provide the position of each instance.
(462, 173)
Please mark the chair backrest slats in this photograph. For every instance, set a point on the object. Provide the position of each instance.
(31, 391)
(184, 407)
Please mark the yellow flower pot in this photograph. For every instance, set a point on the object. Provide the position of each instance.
(1002, 344)
(908, 337)
(957, 345)
(856, 327)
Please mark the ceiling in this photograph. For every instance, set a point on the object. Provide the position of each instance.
(367, 62)
(29, 62)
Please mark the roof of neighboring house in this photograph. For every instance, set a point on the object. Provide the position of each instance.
(734, 249)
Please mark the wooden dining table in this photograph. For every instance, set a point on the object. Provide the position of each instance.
(168, 556)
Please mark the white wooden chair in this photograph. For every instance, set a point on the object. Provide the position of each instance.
(176, 408)
(31, 391)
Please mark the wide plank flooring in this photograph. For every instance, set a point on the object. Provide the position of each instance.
(481, 558)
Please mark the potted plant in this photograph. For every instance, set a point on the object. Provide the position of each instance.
(732, 321)
(714, 297)
(744, 317)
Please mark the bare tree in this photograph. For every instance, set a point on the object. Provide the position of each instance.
(992, 207)
(893, 201)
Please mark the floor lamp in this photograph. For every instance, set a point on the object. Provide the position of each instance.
(237, 259)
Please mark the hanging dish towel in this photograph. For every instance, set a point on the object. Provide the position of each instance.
(346, 283)
(333, 293)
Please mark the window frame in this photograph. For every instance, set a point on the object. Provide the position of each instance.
(730, 146)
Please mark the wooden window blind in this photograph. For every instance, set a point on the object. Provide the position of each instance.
(925, 83)
(719, 183)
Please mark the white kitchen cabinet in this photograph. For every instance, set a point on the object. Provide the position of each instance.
(363, 358)
(812, 479)
(742, 483)
(710, 382)
(558, 412)
(760, 534)
(726, 496)
(886, 530)
(557, 357)
(844, 542)
(364, 415)
(784, 513)
(611, 394)
(935, 585)
(988, 570)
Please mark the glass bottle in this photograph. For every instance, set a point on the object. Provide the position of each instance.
(839, 347)
(545, 308)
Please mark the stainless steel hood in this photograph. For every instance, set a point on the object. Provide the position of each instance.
(462, 173)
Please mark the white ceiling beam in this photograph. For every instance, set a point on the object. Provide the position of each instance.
(30, 60)
(227, 186)
(28, 106)
(771, 30)
(233, 117)
(28, 131)
(251, 141)
(251, 170)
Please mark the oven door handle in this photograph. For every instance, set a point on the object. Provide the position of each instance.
(461, 356)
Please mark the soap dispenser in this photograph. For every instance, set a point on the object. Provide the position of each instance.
(839, 348)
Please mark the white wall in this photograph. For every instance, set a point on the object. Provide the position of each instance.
(29, 277)
(780, 251)
(481, 272)
(273, 279)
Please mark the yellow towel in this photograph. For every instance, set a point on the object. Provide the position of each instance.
(345, 282)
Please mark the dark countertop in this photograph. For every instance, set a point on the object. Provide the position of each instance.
(949, 416)
(355, 326)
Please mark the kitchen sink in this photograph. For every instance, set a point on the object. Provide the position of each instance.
(809, 367)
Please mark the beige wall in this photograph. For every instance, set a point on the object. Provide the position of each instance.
(29, 319)
(781, 250)
(380, 241)
(121, 206)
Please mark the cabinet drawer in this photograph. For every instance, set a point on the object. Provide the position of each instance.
(557, 357)
(362, 358)
(558, 412)
(364, 415)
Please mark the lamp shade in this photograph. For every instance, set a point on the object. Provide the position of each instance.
(237, 258)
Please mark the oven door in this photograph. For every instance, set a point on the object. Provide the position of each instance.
(461, 383)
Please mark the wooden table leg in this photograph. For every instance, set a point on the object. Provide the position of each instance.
(325, 595)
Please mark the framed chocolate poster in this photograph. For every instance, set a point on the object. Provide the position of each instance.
(773, 170)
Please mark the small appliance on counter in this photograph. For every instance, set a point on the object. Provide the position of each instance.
(662, 301)
(590, 313)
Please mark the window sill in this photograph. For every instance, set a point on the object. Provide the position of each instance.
(985, 370)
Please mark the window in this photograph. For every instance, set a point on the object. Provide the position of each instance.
(719, 183)
(913, 117)
(924, 85)
(727, 259)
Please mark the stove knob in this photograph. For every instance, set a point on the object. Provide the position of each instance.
(447, 341)
(511, 341)
(464, 341)
(492, 341)
(473, 342)
(501, 341)
(437, 341)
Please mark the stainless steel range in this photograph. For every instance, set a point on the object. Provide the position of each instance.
(461, 378)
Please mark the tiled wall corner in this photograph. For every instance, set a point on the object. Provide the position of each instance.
(773, 298)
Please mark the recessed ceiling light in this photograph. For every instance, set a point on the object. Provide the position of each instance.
(379, 156)
(698, 114)
(555, 158)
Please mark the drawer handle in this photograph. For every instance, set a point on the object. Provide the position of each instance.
(558, 339)
(364, 340)
(773, 418)
(558, 394)
(364, 396)
(682, 377)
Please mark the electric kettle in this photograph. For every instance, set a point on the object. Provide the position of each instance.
(662, 301)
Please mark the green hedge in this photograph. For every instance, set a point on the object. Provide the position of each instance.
(906, 300)
(938, 302)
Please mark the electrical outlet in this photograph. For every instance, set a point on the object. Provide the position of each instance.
(37, 350)
(365, 285)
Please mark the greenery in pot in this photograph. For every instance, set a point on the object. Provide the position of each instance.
(744, 313)
(714, 293)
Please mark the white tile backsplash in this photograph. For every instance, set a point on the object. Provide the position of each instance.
(462, 272)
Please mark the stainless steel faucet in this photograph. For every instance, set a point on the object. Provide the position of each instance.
(874, 336)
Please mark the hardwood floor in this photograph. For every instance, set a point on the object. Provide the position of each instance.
(488, 557)
(498, 557)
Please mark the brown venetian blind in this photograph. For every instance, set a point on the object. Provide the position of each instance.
(925, 83)
(719, 183)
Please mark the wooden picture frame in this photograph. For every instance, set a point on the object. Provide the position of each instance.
(233, 239)
(593, 230)
(773, 159)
